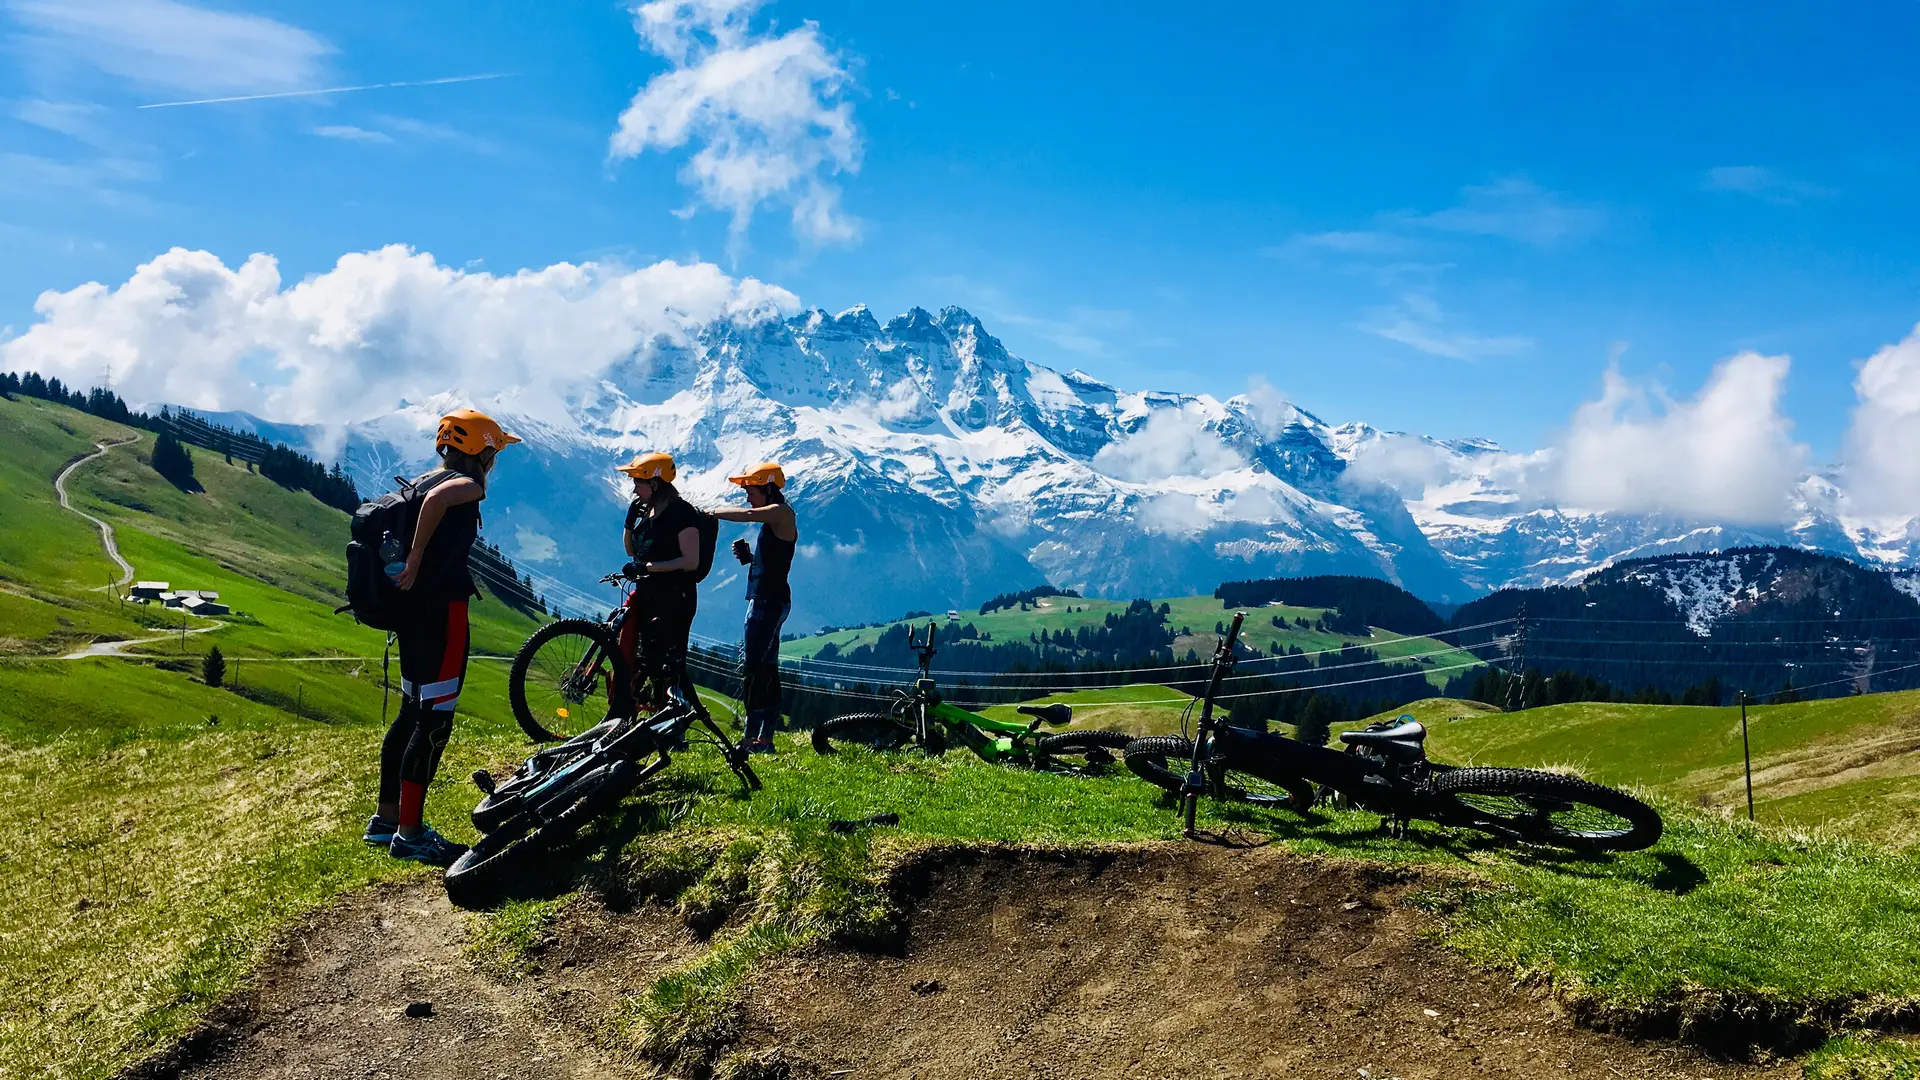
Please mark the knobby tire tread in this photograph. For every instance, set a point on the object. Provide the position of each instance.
(1645, 821)
(844, 728)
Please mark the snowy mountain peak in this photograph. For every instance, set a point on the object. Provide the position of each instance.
(933, 467)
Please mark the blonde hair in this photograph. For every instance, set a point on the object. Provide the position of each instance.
(472, 466)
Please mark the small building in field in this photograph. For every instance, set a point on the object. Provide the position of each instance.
(171, 599)
(148, 590)
(200, 605)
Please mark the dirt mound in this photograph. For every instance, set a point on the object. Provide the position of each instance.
(1152, 962)
(334, 1002)
(1179, 961)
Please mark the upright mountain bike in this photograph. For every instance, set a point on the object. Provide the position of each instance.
(571, 674)
(1385, 769)
(920, 717)
(559, 789)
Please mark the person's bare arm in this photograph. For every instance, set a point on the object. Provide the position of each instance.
(445, 495)
(778, 515)
(689, 555)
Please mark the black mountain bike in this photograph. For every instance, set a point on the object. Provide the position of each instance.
(1385, 769)
(571, 675)
(557, 791)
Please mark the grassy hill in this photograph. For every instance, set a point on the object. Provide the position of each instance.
(155, 831)
(1192, 617)
(1851, 764)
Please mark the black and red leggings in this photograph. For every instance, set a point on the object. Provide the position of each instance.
(433, 664)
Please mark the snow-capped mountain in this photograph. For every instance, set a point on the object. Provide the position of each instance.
(1469, 498)
(932, 468)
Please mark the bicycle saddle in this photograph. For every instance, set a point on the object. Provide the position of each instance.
(1056, 714)
(1402, 741)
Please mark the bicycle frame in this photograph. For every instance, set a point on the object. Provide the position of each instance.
(993, 740)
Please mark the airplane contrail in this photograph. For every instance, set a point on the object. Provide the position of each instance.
(327, 90)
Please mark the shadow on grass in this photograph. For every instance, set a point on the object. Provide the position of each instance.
(591, 859)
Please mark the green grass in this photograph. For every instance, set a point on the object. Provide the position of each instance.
(1844, 763)
(1146, 709)
(1865, 1059)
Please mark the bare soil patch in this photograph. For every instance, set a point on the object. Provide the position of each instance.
(334, 1003)
(1175, 961)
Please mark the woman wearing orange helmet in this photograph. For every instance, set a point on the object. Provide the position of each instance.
(662, 535)
(433, 640)
(769, 599)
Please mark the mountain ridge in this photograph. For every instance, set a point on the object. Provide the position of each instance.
(933, 468)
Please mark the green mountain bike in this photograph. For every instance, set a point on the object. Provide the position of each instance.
(920, 718)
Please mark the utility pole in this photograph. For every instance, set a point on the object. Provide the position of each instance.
(1746, 752)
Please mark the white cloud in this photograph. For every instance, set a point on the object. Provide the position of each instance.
(1514, 208)
(1345, 242)
(351, 134)
(1170, 443)
(1407, 464)
(378, 327)
(766, 111)
(1883, 443)
(1726, 455)
(1267, 408)
(172, 45)
(75, 119)
(1418, 321)
(1767, 185)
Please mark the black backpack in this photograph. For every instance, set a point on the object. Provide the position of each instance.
(709, 527)
(371, 595)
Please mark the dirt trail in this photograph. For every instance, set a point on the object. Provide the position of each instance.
(1177, 962)
(109, 648)
(333, 1005)
(1148, 963)
(106, 530)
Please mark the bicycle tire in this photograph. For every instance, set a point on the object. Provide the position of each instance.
(480, 872)
(1095, 749)
(874, 731)
(1148, 759)
(1526, 805)
(554, 670)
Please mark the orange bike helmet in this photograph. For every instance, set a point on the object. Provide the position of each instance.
(654, 466)
(470, 431)
(762, 474)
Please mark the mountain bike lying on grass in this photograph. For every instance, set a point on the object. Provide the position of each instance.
(557, 791)
(571, 673)
(919, 717)
(1385, 769)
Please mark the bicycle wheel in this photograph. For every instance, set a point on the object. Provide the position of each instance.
(1080, 751)
(1548, 808)
(569, 676)
(479, 874)
(1163, 760)
(871, 730)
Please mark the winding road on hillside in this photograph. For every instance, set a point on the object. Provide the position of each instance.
(109, 648)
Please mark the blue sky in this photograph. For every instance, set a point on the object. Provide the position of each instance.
(1445, 218)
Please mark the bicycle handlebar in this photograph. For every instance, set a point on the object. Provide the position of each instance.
(1222, 664)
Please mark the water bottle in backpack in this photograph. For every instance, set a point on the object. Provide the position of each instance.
(392, 555)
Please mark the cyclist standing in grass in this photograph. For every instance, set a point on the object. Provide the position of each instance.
(768, 597)
(662, 536)
(433, 637)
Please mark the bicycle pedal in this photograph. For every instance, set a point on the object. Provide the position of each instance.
(483, 780)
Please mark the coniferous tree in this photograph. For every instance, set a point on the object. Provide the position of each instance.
(171, 460)
(213, 667)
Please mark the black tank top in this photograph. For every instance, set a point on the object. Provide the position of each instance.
(444, 574)
(772, 558)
